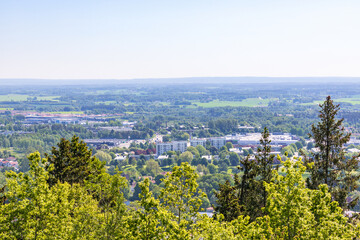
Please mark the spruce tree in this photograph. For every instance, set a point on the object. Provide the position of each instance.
(227, 202)
(72, 162)
(264, 160)
(330, 166)
(248, 194)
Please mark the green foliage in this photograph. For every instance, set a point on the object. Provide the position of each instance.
(103, 156)
(212, 168)
(248, 195)
(264, 162)
(297, 212)
(186, 157)
(229, 145)
(330, 165)
(194, 151)
(202, 151)
(96, 209)
(234, 159)
(152, 167)
(180, 194)
(72, 162)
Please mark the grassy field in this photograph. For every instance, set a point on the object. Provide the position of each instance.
(249, 102)
(21, 98)
(353, 100)
(6, 109)
(13, 97)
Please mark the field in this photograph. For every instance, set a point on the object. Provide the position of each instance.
(13, 97)
(249, 102)
(21, 98)
(352, 100)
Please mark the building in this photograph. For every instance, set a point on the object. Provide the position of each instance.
(180, 146)
(195, 142)
(217, 142)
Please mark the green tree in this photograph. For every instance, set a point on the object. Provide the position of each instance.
(330, 166)
(103, 156)
(264, 161)
(152, 167)
(227, 202)
(212, 168)
(296, 212)
(202, 151)
(180, 194)
(234, 159)
(36, 211)
(151, 221)
(229, 145)
(72, 162)
(186, 157)
(194, 151)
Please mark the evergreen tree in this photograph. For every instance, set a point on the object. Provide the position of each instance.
(248, 188)
(248, 195)
(330, 166)
(2, 195)
(264, 161)
(227, 202)
(72, 162)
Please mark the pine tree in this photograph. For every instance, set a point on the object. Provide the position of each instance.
(330, 166)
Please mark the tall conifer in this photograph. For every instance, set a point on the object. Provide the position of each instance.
(330, 165)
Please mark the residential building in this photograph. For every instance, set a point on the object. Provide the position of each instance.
(217, 142)
(195, 142)
(171, 146)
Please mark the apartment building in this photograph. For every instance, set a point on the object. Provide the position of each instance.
(195, 142)
(171, 146)
(217, 142)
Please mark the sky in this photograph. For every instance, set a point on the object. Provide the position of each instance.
(104, 39)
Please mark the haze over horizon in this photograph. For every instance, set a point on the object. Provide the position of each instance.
(168, 39)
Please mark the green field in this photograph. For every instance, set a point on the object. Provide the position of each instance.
(249, 102)
(353, 100)
(21, 98)
(13, 97)
(6, 109)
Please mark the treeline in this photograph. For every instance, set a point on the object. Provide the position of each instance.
(83, 201)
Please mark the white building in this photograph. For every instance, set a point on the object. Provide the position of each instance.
(195, 142)
(254, 139)
(171, 146)
(217, 142)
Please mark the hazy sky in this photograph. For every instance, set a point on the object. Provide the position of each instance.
(172, 38)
